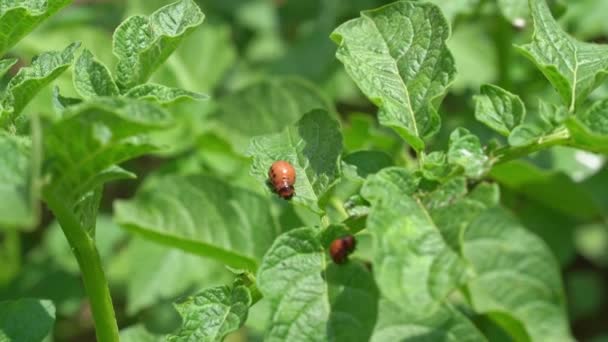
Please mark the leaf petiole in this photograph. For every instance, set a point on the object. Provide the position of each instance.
(95, 283)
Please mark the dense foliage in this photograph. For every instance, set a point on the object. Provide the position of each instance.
(462, 144)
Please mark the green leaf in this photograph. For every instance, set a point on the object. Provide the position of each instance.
(269, 105)
(368, 162)
(499, 109)
(514, 10)
(466, 151)
(551, 114)
(313, 146)
(26, 320)
(592, 242)
(212, 314)
(18, 18)
(202, 215)
(6, 65)
(435, 166)
(154, 274)
(19, 171)
(445, 194)
(55, 247)
(552, 189)
(202, 60)
(92, 78)
(596, 118)
(585, 18)
(397, 56)
(162, 94)
(422, 256)
(102, 133)
(467, 40)
(307, 308)
(587, 138)
(143, 43)
(502, 253)
(574, 68)
(138, 333)
(529, 133)
(451, 9)
(60, 102)
(22, 88)
(444, 324)
(389, 180)
(414, 267)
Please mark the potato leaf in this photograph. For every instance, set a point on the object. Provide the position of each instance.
(143, 43)
(19, 191)
(26, 319)
(18, 18)
(212, 314)
(312, 146)
(398, 57)
(28, 81)
(202, 215)
(499, 109)
(574, 68)
(311, 300)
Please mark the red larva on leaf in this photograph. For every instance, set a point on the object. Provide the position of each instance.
(340, 248)
(282, 176)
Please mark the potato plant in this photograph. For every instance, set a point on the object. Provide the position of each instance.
(302, 171)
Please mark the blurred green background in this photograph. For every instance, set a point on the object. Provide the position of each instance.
(253, 53)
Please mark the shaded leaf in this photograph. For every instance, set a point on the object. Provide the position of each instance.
(397, 56)
(154, 274)
(138, 333)
(265, 107)
(305, 307)
(202, 60)
(313, 146)
(553, 189)
(26, 319)
(514, 10)
(444, 324)
(202, 215)
(452, 9)
(503, 253)
(143, 43)
(368, 162)
(19, 171)
(102, 133)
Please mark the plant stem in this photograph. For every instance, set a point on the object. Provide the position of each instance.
(560, 137)
(95, 283)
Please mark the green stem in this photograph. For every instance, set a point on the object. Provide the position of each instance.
(560, 137)
(95, 283)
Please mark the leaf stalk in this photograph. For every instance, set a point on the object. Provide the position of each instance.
(93, 277)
